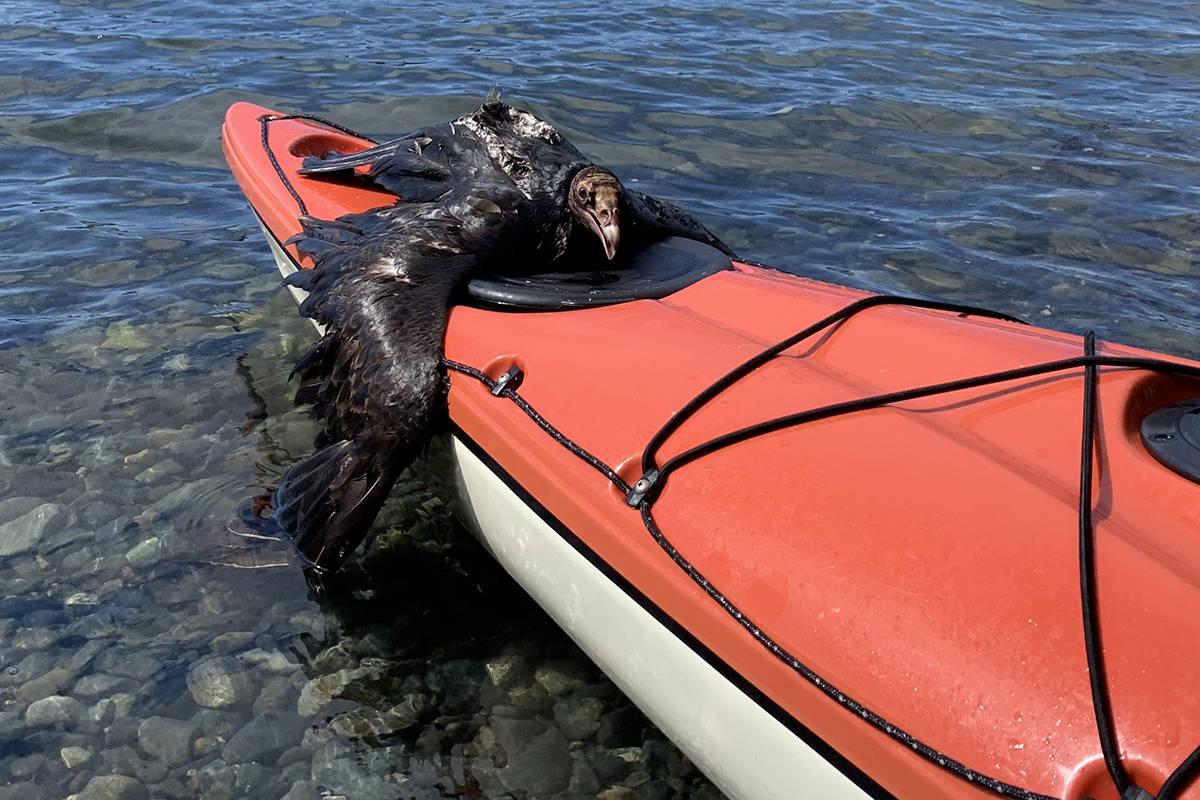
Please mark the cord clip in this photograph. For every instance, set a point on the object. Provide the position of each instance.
(639, 490)
(511, 379)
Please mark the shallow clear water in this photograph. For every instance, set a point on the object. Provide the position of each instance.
(1036, 157)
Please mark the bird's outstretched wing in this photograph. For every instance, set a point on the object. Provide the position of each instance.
(418, 167)
(382, 287)
(653, 218)
(495, 144)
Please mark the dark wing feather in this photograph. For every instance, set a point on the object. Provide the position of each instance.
(412, 177)
(418, 167)
(382, 287)
(651, 218)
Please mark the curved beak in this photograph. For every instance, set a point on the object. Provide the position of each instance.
(605, 221)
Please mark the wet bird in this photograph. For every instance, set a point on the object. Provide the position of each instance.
(493, 190)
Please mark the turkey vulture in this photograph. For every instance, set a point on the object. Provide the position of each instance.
(493, 189)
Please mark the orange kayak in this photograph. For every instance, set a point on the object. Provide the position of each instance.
(794, 523)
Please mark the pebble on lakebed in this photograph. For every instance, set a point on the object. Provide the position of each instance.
(220, 682)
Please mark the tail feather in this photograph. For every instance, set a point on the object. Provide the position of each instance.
(324, 233)
(395, 166)
(327, 502)
(333, 161)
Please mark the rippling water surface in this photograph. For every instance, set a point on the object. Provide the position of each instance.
(1037, 157)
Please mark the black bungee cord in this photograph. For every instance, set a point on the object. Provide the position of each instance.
(646, 491)
(1089, 603)
(745, 368)
(1178, 780)
(643, 494)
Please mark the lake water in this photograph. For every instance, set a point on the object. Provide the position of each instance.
(1036, 157)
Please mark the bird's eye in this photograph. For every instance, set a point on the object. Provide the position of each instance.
(582, 193)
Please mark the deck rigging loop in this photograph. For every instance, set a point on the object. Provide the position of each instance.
(750, 365)
(511, 379)
(1136, 793)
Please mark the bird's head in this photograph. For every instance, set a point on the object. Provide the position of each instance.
(595, 200)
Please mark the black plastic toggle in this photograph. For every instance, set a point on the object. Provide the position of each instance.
(639, 490)
(511, 379)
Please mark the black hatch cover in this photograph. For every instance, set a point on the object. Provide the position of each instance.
(658, 270)
(1172, 434)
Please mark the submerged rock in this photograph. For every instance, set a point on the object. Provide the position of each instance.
(277, 693)
(508, 668)
(113, 787)
(264, 738)
(346, 777)
(542, 768)
(220, 682)
(32, 666)
(562, 677)
(319, 692)
(54, 710)
(166, 739)
(23, 533)
(75, 757)
(305, 790)
(371, 724)
(98, 684)
(29, 639)
(124, 335)
(22, 791)
(27, 767)
(621, 727)
(145, 553)
(579, 717)
(458, 683)
(269, 661)
(215, 780)
(45, 685)
(514, 733)
(120, 733)
(84, 655)
(584, 780)
(231, 641)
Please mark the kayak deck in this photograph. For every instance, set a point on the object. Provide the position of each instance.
(921, 557)
(916, 561)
